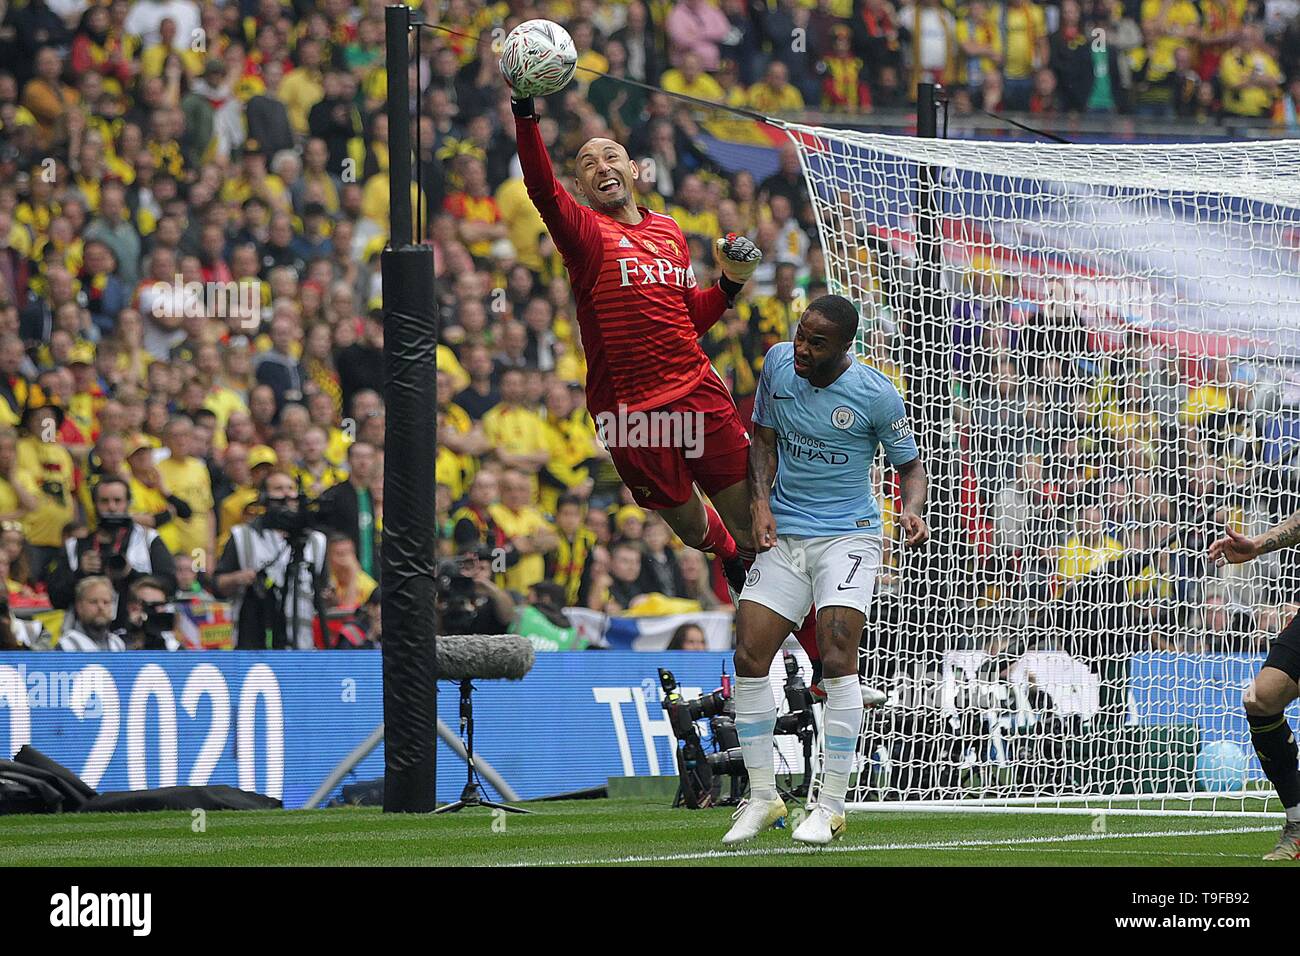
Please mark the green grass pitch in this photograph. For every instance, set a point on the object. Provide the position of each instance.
(621, 832)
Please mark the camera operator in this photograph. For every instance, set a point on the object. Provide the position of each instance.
(468, 601)
(151, 617)
(272, 569)
(120, 549)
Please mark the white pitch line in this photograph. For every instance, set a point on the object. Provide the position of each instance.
(788, 850)
(1134, 852)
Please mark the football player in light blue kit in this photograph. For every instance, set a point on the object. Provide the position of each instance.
(818, 419)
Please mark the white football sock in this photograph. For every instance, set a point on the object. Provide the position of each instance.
(755, 721)
(1292, 814)
(840, 730)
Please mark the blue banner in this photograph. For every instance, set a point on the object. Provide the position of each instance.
(279, 722)
(1200, 689)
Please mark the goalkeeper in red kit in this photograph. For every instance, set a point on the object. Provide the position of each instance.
(641, 314)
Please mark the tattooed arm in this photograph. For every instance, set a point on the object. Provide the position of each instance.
(1235, 547)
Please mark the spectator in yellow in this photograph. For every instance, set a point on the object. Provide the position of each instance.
(254, 181)
(1167, 25)
(187, 478)
(590, 61)
(351, 585)
(374, 202)
(151, 506)
(524, 226)
(517, 433)
(773, 93)
(845, 86)
(303, 86)
(691, 80)
(1211, 396)
(1089, 549)
(771, 318)
(1251, 77)
(1022, 35)
(315, 173)
(15, 500)
(571, 440)
(574, 545)
(49, 99)
(980, 41)
(461, 440)
(478, 220)
(529, 534)
(691, 213)
(315, 474)
(46, 471)
(247, 468)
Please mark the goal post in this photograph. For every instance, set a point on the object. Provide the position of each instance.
(1117, 379)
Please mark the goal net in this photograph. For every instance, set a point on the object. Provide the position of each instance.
(1098, 346)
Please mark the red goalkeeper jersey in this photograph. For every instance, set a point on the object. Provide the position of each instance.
(640, 310)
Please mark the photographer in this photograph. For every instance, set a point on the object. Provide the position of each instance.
(119, 548)
(151, 617)
(468, 601)
(274, 606)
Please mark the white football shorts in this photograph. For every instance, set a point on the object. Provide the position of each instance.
(802, 572)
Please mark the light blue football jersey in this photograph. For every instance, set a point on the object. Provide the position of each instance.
(826, 439)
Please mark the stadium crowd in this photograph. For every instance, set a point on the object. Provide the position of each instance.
(193, 198)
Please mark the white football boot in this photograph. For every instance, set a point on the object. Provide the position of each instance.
(820, 827)
(753, 817)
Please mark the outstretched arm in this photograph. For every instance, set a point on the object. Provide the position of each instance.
(737, 259)
(570, 224)
(1236, 548)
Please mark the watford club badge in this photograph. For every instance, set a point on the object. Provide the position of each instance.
(672, 246)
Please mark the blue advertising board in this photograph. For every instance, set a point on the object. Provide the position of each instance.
(279, 722)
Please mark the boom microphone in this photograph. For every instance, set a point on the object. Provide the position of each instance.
(484, 657)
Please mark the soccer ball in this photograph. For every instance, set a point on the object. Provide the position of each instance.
(538, 58)
(1221, 766)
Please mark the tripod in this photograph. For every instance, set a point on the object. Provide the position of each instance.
(473, 795)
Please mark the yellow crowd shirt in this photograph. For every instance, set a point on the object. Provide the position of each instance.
(1025, 27)
(189, 481)
(530, 568)
(46, 470)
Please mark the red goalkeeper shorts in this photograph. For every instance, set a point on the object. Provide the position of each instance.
(701, 441)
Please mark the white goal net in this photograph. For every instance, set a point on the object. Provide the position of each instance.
(1098, 346)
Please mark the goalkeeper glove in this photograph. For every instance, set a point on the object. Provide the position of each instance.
(737, 257)
(523, 107)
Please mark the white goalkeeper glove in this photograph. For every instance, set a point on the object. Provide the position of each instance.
(737, 257)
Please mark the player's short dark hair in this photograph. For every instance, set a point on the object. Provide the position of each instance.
(839, 311)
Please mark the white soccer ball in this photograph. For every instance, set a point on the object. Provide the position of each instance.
(538, 58)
